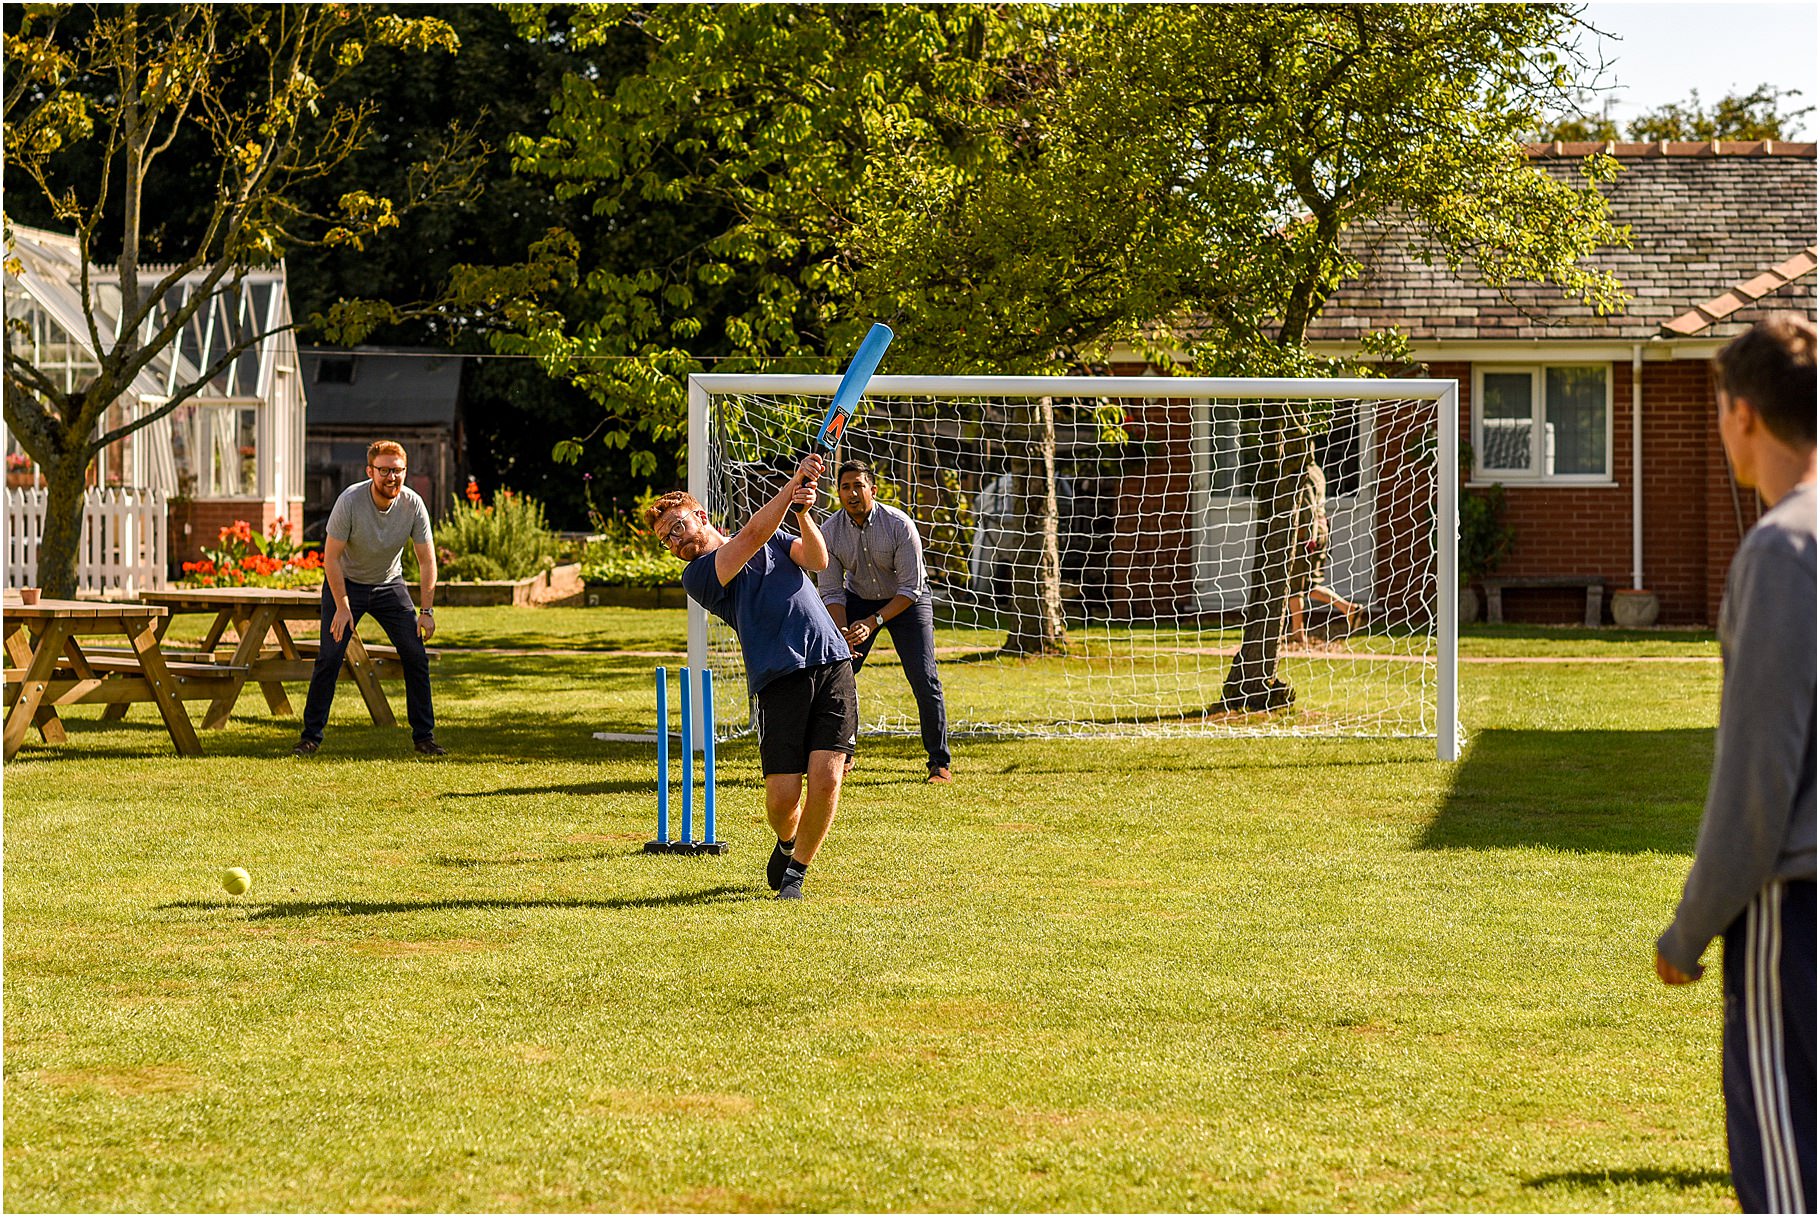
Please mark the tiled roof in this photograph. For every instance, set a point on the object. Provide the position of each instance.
(1769, 283)
(1706, 220)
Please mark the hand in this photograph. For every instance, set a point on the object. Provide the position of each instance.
(341, 623)
(803, 497)
(808, 474)
(426, 626)
(1671, 975)
(857, 633)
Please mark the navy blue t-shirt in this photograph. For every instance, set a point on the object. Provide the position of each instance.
(773, 606)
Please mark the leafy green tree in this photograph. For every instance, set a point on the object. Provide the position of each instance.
(96, 99)
(728, 167)
(501, 84)
(1185, 179)
(1760, 114)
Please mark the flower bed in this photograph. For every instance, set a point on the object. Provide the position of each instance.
(243, 558)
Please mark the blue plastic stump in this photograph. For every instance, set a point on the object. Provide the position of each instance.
(707, 757)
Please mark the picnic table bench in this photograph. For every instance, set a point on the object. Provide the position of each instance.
(1495, 585)
(263, 650)
(48, 665)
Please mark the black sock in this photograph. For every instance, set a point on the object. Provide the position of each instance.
(800, 868)
(787, 846)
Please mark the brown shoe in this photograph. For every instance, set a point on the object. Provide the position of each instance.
(939, 776)
(306, 747)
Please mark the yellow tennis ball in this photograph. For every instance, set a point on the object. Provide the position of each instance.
(236, 881)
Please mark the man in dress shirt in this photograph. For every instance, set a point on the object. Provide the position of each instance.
(875, 581)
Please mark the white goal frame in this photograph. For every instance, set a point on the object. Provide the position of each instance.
(1444, 393)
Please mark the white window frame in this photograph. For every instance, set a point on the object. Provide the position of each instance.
(1536, 474)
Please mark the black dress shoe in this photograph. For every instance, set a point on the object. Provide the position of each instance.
(429, 747)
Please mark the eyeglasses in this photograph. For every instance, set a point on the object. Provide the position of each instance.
(669, 535)
(390, 475)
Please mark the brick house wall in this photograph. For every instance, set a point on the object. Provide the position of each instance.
(1151, 563)
(1690, 527)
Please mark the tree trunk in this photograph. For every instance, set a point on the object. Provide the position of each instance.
(1037, 625)
(1287, 448)
(66, 489)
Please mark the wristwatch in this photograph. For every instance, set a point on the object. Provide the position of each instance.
(878, 621)
(424, 612)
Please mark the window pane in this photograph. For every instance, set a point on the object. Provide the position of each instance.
(1575, 407)
(1505, 421)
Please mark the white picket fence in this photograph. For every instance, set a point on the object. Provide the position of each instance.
(125, 542)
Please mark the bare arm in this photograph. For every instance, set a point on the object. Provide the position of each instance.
(738, 550)
(332, 549)
(810, 551)
(426, 586)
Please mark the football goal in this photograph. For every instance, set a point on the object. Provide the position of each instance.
(1136, 556)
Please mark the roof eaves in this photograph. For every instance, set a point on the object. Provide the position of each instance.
(1750, 291)
(1660, 148)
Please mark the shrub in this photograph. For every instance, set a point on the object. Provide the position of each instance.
(1485, 538)
(505, 539)
(628, 554)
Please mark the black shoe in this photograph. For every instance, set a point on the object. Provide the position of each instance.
(306, 747)
(792, 887)
(429, 747)
(774, 869)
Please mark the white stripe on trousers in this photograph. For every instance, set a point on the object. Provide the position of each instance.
(1763, 1037)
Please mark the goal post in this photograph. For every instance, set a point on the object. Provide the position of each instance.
(1145, 518)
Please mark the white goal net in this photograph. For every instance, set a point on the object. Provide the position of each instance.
(1136, 556)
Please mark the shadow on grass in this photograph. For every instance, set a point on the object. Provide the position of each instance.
(1599, 791)
(1644, 1176)
(563, 788)
(724, 894)
(456, 863)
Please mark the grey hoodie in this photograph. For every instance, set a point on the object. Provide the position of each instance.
(1758, 826)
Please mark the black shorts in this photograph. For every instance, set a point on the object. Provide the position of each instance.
(814, 710)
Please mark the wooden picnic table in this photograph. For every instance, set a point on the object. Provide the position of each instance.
(48, 665)
(266, 653)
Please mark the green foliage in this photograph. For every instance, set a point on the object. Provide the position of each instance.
(624, 553)
(1486, 538)
(504, 539)
(1758, 114)
(1023, 189)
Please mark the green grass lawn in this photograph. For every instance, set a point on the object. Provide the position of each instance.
(1131, 975)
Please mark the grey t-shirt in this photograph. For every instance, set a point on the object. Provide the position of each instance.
(1758, 826)
(376, 539)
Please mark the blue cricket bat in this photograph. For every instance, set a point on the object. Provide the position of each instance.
(859, 373)
(852, 384)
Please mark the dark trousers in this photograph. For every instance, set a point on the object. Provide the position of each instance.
(390, 604)
(913, 634)
(1769, 1049)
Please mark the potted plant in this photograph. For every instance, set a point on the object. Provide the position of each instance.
(1485, 541)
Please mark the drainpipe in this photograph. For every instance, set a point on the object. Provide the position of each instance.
(1636, 464)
